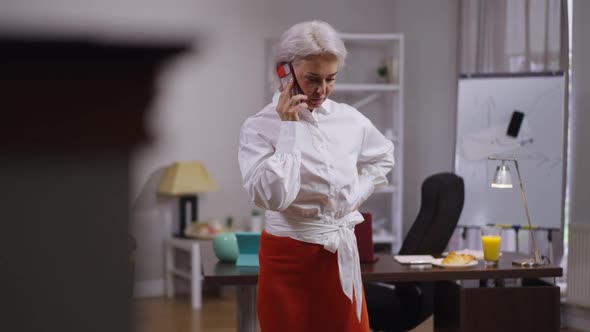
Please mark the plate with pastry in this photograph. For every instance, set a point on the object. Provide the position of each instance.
(478, 254)
(455, 260)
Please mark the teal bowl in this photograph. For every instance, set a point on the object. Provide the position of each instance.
(225, 246)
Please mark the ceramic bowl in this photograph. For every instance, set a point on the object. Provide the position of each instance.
(225, 246)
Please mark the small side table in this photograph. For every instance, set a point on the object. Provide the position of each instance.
(194, 275)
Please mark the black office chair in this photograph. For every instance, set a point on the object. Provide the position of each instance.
(403, 306)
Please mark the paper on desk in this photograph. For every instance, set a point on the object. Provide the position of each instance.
(414, 259)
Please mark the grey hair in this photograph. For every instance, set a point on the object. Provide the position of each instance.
(306, 39)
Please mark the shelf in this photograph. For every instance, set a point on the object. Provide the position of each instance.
(371, 36)
(366, 87)
(381, 100)
(383, 239)
(387, 190)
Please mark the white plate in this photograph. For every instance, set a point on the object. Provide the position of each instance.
(478, 254)
(438, 262)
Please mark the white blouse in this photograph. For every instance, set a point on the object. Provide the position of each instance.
(312, 175)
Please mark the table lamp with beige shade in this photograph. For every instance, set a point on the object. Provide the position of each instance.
(186, 180)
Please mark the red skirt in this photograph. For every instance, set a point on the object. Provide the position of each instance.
(299, 289)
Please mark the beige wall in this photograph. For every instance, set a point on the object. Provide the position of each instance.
(205, 96)
(431, 30)
(106, 19)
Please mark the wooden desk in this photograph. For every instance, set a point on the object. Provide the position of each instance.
(457, 308)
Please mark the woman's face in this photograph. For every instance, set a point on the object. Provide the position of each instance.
(316, 75)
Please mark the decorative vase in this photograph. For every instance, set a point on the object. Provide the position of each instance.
(256, 221)
(225, 246)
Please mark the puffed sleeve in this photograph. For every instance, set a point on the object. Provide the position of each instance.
(271, 177)
(374, 162)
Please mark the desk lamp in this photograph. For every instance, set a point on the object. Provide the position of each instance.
(502, 179)
(186, 179)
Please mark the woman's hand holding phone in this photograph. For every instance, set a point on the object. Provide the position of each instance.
(289, 106)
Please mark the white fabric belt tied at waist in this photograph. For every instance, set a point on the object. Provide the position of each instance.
(334, 235)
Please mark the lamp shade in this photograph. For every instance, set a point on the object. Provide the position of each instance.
(502, 177)
(183, 178)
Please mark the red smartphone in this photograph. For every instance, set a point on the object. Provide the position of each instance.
(286, 74)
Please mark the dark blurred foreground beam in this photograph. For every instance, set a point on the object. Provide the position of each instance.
(71, 114)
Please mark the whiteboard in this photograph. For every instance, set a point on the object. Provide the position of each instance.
(485, 105)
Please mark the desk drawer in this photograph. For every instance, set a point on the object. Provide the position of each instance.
(534, 307)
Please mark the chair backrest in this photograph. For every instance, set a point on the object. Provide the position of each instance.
(443, 195)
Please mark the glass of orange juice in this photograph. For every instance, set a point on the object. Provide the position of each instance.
(491, 238)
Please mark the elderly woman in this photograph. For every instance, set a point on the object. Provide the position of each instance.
(311, 162)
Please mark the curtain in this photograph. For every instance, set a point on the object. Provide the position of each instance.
(508, 36)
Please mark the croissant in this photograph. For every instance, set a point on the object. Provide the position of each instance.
(457, 259)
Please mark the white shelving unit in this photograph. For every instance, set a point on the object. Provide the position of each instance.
(381, 100)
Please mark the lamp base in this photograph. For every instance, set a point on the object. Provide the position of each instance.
(528, 262)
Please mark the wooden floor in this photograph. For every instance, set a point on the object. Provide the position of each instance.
(218, 314)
